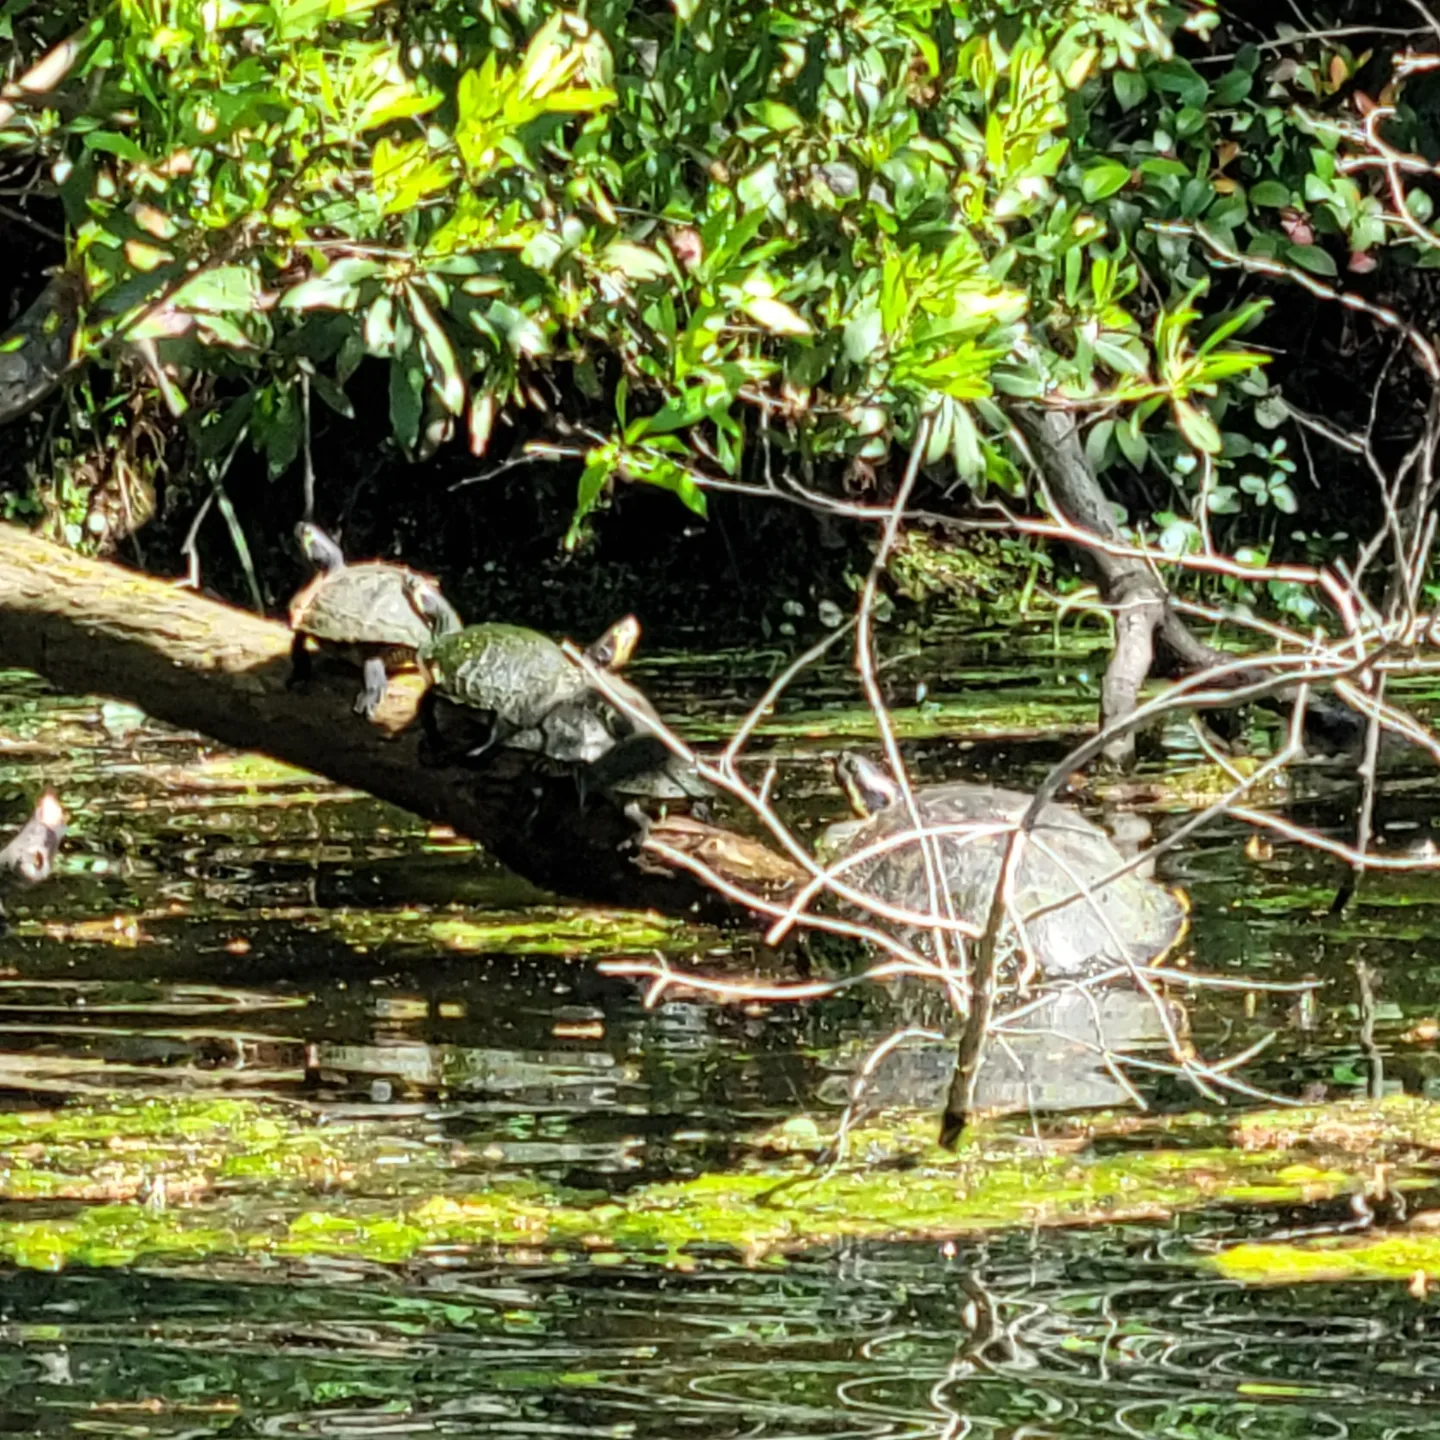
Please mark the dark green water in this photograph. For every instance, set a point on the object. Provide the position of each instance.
(218, 929)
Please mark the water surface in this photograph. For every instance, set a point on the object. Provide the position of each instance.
(222, 927)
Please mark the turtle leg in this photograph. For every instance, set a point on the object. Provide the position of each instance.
(498, 735)
(367, 702)
(641, 821)
(432, 751)
(300, 664)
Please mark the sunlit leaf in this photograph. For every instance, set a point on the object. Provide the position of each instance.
(639, 262)
(593, 480)
(1197, 427)
(446, 379)
(337, 288)
(775, 315)
(1104, 179)
(220, 290)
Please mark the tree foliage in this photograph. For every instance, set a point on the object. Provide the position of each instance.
(705, 233)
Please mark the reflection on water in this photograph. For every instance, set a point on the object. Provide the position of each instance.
(222, 926)
(1072, 1335)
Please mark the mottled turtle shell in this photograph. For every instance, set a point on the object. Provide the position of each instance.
(1131, 920)
(517, 674)
(362, 604)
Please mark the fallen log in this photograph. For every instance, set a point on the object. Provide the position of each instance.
(94, 627)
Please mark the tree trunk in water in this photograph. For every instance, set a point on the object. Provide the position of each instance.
(91, 627)
(1127, 585)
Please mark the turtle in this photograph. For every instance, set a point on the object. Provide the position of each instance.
(533, 695)
(30, 855)
(642, 767)
(1129, 921)
(614, 749)
(362, 611)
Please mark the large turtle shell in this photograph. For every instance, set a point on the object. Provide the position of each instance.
(361, 604)
(1130, 920)
(517, 674)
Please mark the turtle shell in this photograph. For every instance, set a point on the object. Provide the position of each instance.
(517, 674)
(1130, 920)
(641, 765)
(362, 604)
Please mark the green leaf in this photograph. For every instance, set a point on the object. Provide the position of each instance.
(1130, 88)
(445, 378)
(332, 395)
(686, 409)
(1104, 179)
(965, 444)
(281, 430)
(1312, 258)
(1233, 87)
(638, 262)
(407, 389)
(593, 480)
(405, 175)
(775, 315)
(220, 330)
(115, 144)
(861, 337)
(398, 101)
(1124, 355)
(1197, 427)
(1270, 193)
(1179, 78)
(337, 288)
(221, 290)
(380, 326)
(775, 116)
(1133, 444)
(760, 190)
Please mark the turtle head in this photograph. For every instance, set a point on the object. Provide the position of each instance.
(31, 854)
(868, 786)
(431, 606)
(318, 548)
(613, 650)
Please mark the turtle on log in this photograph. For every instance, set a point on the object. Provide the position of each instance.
(361, 612)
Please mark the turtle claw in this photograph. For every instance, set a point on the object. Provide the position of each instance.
(640, 820)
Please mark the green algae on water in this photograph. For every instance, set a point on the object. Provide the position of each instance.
(179, 1181)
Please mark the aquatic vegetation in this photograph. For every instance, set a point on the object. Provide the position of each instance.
(179, 1180)
(1410, 1256)
(536, 930)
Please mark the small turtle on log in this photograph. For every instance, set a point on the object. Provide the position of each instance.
(529, 695)
(532, 695)
(361, 612)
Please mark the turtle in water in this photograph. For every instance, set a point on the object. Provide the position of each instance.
(30, 855)
(531, 694)
(1130, 920)
(362, 611)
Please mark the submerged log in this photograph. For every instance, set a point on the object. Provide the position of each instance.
(93, 627)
